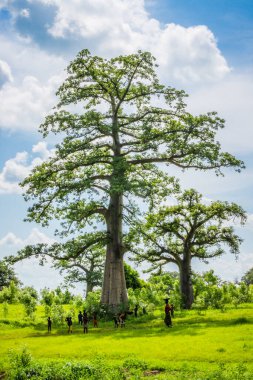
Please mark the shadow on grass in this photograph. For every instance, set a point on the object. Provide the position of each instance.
(134, 329)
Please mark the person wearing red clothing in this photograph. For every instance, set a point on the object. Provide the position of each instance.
(167, 309)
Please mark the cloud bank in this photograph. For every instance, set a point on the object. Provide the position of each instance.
(17, 168)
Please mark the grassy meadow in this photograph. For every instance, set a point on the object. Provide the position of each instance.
(202, 344)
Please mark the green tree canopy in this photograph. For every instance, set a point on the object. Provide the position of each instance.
(133, 279)
(7, 274)
(248, 277)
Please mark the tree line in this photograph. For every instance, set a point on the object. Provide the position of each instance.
(145, 296)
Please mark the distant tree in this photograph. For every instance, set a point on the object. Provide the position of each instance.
(47, 296)
(7, 275)
(31, 291)
(111, 152)
(63, 296)
(132, 276)
(191, 229)
(248, 277)
(29, 302)
(87, 269)
(10, 294)
(78, 262)
(166, 278)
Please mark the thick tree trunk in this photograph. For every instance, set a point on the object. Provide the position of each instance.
(114, 292)
(89, 288)
(186, 283)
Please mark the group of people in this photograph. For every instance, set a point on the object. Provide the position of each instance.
(83, 320)
(119, 319)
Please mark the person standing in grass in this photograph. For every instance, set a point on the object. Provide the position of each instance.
(122, 319)
(172, 310)
(85, 323)
(116, 321)
(69, 323)
(80, 318)
(136, 310)
(167, 309)
(95, 320)
(49, 324)
(85, 315)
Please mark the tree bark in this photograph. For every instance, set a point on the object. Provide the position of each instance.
(186, 283)
(114, 291)
(89, 288)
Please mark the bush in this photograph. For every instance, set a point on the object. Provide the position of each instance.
(29, 303)
(47, 296)
(57, 314)
(10, 294)
(23, 367)
(92, 302)
(133, 363)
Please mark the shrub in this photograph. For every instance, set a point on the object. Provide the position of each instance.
(29, 303)
(23, 367)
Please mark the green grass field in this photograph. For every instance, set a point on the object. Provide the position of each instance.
(197, 343)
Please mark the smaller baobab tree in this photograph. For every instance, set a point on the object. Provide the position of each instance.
(81, 259)
(189, 230)
(85, 269)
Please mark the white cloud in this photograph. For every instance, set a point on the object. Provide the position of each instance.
(249, 222)
(29, 271)
(30, 92)
(24, 106)
(5, 73)
(34, 237)
(185, 55)
(4, 3)
(124, 26)
(10, 239)
(232, 98)
(41, 148)
(226, 266)
(37, 236)
(25, 13)
(27, 59)
(19, 167)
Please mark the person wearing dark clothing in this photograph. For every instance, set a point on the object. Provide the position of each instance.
(95, 320)
(85, 315)
(85, 323)
(136, 310)
(122, 319)
(167, 309)
(69, 323)
(49, 324)
(116, 321)
(80, 318)
(172, 310)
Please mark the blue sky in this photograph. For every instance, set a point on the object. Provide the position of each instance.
(204, 47)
